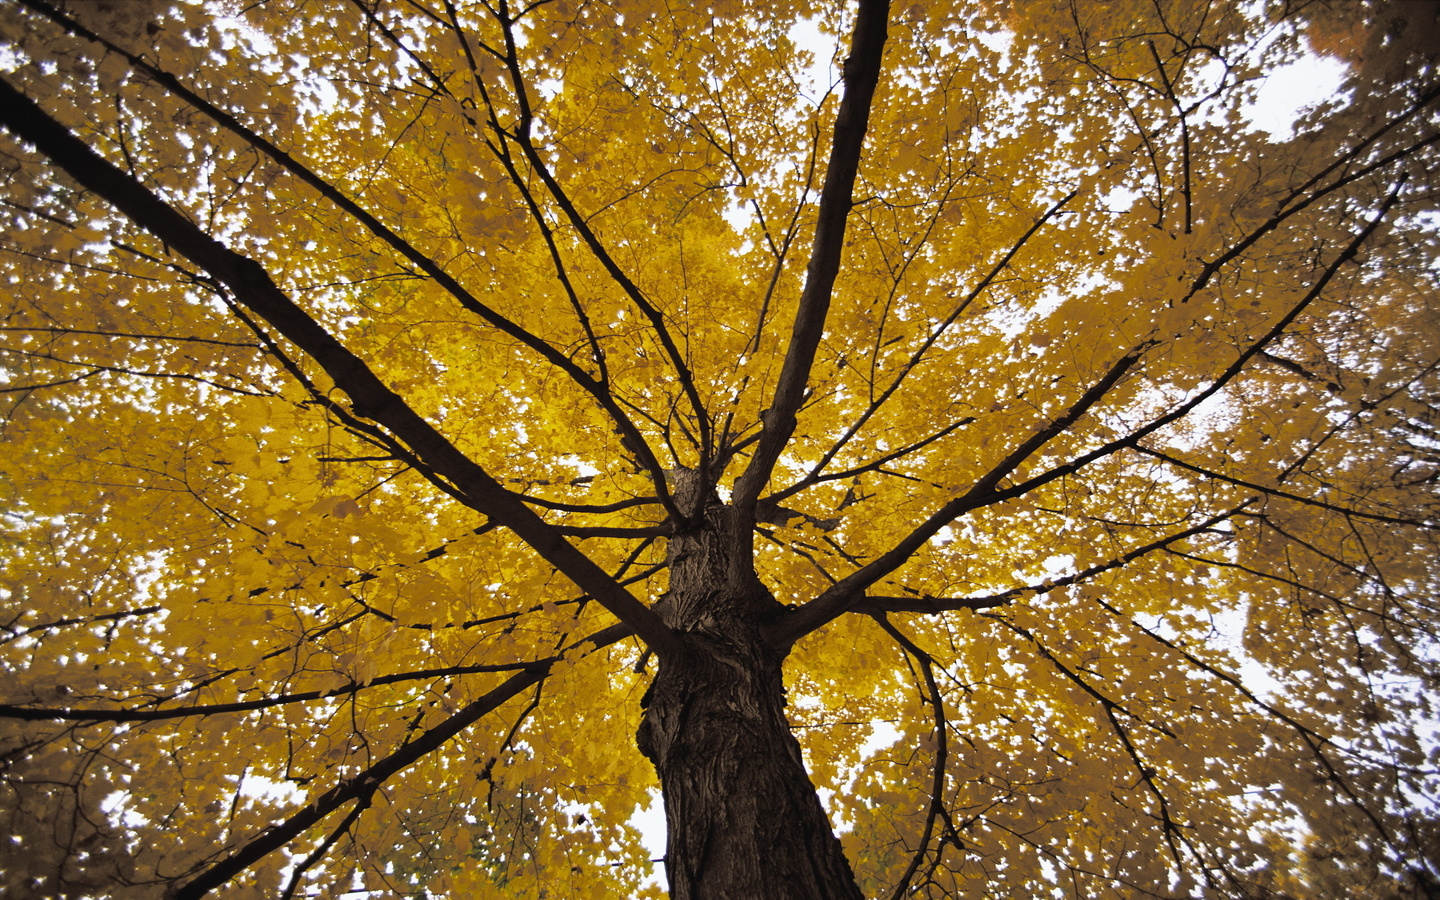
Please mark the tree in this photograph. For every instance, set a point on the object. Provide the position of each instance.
(426, 422)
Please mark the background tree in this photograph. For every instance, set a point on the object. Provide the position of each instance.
(408, 403)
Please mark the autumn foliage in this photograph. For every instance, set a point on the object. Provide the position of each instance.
(406, 403)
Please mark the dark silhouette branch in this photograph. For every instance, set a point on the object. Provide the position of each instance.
(861, 74)
(614, 531)
(362, 803)
(1129, 441)
(1289, 208)
(521, 135)
(813, 476)
(589, 508)
(596, 388)
(1314, 741)
(923, 603)
(1174, 836)
(1283, 494)
(365, 783)
(986, 491)
(631, 436)
(936, 808)
(370, 397)
(1181, 113)
(100, 369)
(781, 251)
(188, 339)
(1427, 98)
(96, 716)
(841, 596)
(76, 620)
(365, 431)
(875, 465)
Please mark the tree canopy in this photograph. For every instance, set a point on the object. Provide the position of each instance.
(405, 402)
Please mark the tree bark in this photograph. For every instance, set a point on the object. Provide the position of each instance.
(744, 820)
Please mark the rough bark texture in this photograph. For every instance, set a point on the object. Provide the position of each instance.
(744, 819)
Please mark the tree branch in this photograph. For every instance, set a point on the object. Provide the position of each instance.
(96, 716)
(595, 388)
(813, 476)
(1282, 494)
(370, 397)
(13, 631)
(936, 807)
(363, 784)
(521, 135)
(861, 73)
(841, 596)
(926, 604)
(1224, 378)
(1313, 740)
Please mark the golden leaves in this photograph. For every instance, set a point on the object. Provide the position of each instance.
(194, 516)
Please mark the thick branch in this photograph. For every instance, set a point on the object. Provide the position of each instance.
(370, 397)
(596, 388)
(862, 73)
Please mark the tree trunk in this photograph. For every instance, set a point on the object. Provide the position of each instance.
(744, 820)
